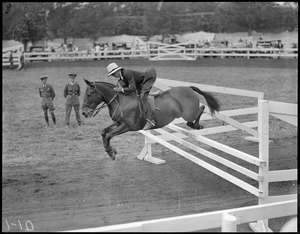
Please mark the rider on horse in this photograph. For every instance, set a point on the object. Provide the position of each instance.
(135, 81)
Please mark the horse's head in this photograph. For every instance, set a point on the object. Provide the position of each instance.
(92, 98)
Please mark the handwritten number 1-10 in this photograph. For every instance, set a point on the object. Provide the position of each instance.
(28, 225)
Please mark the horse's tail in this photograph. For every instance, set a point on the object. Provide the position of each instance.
(212, 102)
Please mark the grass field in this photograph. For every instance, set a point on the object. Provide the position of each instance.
(62, 179)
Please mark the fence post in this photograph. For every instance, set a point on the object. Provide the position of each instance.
(122, 53)
(263, 135)
(148, 50)
(229, 223)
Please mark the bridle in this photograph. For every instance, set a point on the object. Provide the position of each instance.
(98, 109)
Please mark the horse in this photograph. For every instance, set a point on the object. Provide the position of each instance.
(126, 113)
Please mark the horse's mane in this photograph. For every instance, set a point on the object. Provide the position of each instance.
(105, 83)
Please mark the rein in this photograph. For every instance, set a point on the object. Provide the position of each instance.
(98, 109)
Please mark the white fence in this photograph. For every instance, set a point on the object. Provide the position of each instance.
(17, 50)
(226, 219)
(284, 111)
(160, 52)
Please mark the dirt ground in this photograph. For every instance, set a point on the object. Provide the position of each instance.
(60, 179)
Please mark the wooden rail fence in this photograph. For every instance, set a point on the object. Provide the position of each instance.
(155, 53)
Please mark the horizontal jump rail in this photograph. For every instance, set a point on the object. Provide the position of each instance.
(236, 124)
(207, 131)
(239, 154)
(206, 165)
(283, 175)
(287, 112)
(237, 112)
(212, 156)
(204, 221)
(280, 198)
(209, 88)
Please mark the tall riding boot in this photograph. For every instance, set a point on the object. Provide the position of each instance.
(47, 120)
(148, 114)
(53, 118)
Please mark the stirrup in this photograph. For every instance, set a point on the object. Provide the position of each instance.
(151, 122)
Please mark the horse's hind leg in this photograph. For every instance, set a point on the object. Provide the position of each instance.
(196, 124)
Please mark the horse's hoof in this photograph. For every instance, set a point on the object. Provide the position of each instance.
(198, 126)
(112, 153)
(190, 124)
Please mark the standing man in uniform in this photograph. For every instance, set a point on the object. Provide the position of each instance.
(47, 94)
(72, 93)
(138, 82)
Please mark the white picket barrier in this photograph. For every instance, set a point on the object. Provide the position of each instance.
(284, 111)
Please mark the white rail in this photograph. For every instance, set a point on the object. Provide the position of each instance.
(204, 221)
(156, 54)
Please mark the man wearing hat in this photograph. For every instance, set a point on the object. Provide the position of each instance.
(135, 81)
(47, 94)
(72, 93)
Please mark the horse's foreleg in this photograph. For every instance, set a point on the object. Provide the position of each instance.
(196, 124)
(106, 130)
(122, 128)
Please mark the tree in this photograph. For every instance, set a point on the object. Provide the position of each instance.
(27, 22)
(163, 21)
(258, 16)
(30, 21)
(289, 17)
(246, 16)
(61, 19)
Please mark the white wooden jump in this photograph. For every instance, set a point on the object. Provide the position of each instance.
(284, 111)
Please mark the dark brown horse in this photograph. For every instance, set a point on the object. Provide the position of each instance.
(125, 112)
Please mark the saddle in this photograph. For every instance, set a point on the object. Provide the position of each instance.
(151, 101)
